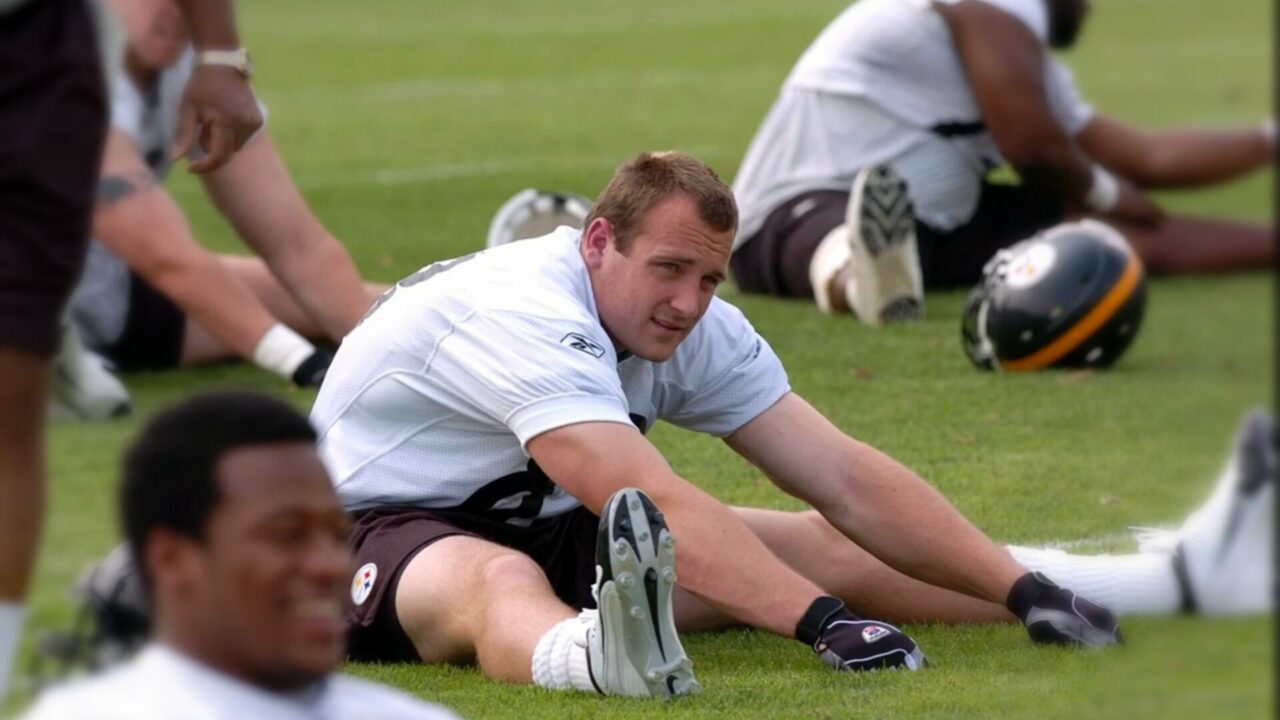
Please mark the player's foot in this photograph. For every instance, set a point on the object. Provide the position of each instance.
(83, 386)
(1223, 552)
(531, 213)
(633, 648)
(885, 283)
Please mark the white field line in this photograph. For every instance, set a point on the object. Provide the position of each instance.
(440, 172)
(443, 87)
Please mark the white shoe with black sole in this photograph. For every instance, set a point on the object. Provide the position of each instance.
(633, 648)
(1223, 554)
(886, 285)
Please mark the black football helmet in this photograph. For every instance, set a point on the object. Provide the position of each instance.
(1071, 296)
(113, 622)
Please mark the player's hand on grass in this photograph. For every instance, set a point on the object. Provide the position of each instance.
(847, 642)
(218, 106)
(1055, 615)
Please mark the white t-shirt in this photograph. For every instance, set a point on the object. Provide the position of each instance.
(161, 684)
(433, 397)
(883, 84)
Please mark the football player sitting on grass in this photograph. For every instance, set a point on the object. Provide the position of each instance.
(485, 425)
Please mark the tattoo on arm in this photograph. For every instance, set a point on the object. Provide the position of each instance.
(114, 188)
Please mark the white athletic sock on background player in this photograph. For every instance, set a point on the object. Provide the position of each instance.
(11, 615)
(1143, 584)
(560, 658)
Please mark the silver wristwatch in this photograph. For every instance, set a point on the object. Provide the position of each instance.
(237, 60)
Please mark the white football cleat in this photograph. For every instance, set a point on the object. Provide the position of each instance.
(886, 284)
(532, 213)
(84, 387)
(632, 647)
(1223, 552)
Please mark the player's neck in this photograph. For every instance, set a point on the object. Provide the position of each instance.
(191, 640)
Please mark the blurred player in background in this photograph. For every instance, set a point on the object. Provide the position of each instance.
(151, 296)
(865, 184)
(53, 111)
(243, 551)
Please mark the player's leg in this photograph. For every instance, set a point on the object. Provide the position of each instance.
(52, 123)
(1183, 244)
(1218, 563)
(462, 599)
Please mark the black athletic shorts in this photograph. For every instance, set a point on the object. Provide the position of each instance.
(154, 330)
(53, 121)
(775, 261)
(385, 540)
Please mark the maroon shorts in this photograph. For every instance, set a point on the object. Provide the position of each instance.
(775, 261)
(53, 116)
(385, 540)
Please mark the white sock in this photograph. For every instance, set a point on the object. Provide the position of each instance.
(831, 255)
(1140, 584)
(11, 615)
(281, 350)
(560, 659)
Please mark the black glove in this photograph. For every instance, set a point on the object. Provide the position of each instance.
(847, 642)
(312, 370)
(1058, 616)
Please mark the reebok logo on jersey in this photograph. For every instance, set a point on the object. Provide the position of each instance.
(583, 343)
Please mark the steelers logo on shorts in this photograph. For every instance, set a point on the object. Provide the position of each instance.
(362, 583)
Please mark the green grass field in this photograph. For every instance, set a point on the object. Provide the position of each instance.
(407, 122)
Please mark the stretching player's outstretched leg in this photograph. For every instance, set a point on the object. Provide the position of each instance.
(634, 647)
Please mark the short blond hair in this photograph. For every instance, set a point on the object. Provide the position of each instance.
(649, 178)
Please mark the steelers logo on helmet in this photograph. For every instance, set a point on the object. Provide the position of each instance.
(1072, 296)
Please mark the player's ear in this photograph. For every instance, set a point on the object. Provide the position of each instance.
(596, 238)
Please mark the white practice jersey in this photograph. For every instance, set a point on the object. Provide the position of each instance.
(883, 84)
(161, 684)
(100, 303)
(432, 399)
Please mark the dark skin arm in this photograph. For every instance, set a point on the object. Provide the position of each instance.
(217, 104)
(1176, 158)
(1005, 65)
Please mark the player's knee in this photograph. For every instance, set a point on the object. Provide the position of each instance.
(510, 570)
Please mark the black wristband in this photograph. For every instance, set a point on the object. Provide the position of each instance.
(1023, 594)
(312, 370)
(815, 619)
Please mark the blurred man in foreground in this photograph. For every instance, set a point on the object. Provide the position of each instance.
(865, 184)
(52, 117)
(242, 548)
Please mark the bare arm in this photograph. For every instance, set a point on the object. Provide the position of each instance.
(875, 501)
(1180, 158)
(217, 103)
(256, 194)
(137, 220)
(1005, 65)
(718, 558)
